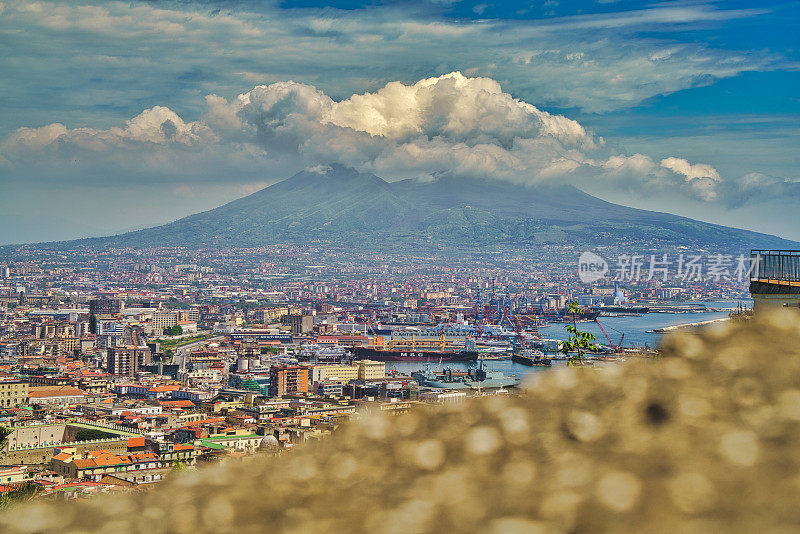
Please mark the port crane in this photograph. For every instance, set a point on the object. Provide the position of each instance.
(611, 343)
(479, 328)
(534, 325)
(518, 339)
(560, 313)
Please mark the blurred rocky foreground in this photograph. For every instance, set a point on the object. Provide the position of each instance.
(706, 439)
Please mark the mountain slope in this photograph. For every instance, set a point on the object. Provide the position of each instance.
(345, 206)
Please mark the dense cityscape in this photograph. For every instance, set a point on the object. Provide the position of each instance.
(121, 366)
(399, 267)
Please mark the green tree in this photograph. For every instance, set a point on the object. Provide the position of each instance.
(165, 356)
(173, 330)
(579, 342)
(179, 466)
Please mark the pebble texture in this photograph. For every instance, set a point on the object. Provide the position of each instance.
(706, 439)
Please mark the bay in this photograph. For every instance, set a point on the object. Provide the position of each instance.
(637, 330)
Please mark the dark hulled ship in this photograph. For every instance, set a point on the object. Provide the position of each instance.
(564, 315)
(531, 358)
(414, 355)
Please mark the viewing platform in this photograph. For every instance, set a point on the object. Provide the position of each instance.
(775, 278)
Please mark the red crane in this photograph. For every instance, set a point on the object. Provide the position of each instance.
(480, 327)
(611, 343)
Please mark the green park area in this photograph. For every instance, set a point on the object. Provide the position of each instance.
(172, 344)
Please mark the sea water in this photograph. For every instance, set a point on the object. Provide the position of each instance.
(637, 330)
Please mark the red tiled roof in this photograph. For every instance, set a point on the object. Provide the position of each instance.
(136, 442)
(106, 460)
(62, 391)
(206, 421)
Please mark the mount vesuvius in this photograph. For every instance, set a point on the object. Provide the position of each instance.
(341, 205)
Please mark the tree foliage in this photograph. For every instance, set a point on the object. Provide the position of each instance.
(579, 342)
(173, 330)
(179, 466)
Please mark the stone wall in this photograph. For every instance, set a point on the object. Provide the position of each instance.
(34, 435)
(41, 455)
(37, 456)
(34, 444)
(706, 439)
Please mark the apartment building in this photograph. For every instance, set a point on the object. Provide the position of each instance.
(370, 370)
(286, 379)
(128, 360)
(13, 392)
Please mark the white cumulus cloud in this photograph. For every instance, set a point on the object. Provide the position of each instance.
(698, 170)
(451, 124)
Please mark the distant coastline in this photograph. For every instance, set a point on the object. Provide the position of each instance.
(685, 326)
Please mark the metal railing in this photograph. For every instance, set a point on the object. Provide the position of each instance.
(778, 265)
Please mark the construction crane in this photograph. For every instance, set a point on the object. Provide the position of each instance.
(517, 344)
(493, 302)
(618, 347)
(479, 328)
(534, 325)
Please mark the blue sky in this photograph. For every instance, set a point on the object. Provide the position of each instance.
(690, 107)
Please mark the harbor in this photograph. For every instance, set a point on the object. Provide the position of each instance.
(646, 331)
(643, 331)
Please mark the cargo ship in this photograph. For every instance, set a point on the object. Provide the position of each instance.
(414, 355)
(417, 350)
(564, 315)
(531, 358)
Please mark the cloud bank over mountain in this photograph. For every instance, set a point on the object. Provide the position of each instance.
(448, 125)
(697, 81)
